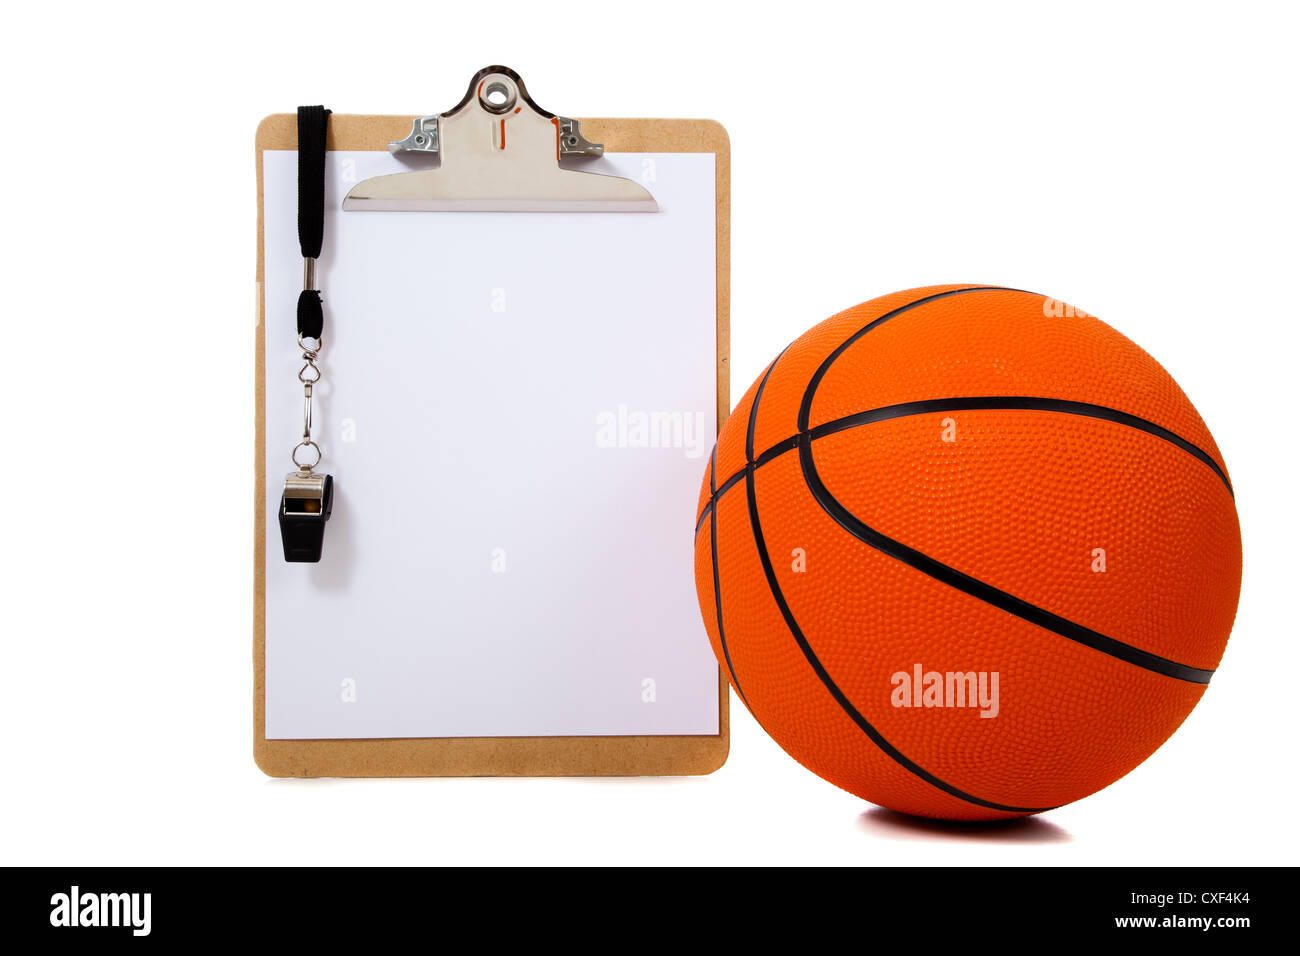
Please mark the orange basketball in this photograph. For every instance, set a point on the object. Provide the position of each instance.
(967, 552)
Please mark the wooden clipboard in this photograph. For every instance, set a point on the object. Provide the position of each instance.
(483, 756)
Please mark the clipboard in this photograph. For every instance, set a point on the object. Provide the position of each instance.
(558, 755)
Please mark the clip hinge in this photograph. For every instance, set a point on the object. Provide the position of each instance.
(573, 143)
(423, 137)
(304, 508)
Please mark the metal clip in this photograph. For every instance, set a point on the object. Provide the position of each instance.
(304, 508)
(499, 152)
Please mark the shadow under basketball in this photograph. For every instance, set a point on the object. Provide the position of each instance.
(880, 821)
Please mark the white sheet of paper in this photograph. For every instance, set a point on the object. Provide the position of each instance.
(509, 553)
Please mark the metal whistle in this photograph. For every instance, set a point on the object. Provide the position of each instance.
(304, 509)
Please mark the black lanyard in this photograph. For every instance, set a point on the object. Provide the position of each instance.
(308, 497)
(312, 124)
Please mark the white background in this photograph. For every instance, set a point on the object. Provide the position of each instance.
(1138, 160)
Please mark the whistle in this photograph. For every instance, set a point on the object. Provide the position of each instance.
(304, 509)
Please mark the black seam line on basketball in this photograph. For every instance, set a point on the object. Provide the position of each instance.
(845, 704)
(986, 592)
(805, 409)
(776, 451)
(804, 413)
(819, 669)
(973, 403)
(753, 409)
(750, 461)
(942, 572)
(717, 584)
(805, 406)
(713, 528)
(1020, 403)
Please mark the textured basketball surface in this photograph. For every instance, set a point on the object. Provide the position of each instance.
(963, 490)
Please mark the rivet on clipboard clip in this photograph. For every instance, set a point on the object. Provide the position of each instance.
(500, 152)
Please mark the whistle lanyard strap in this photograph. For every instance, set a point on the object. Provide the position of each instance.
(312, 123)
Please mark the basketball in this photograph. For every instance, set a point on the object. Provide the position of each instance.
(967, 552)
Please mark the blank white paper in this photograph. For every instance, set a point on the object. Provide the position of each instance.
(517, 410)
